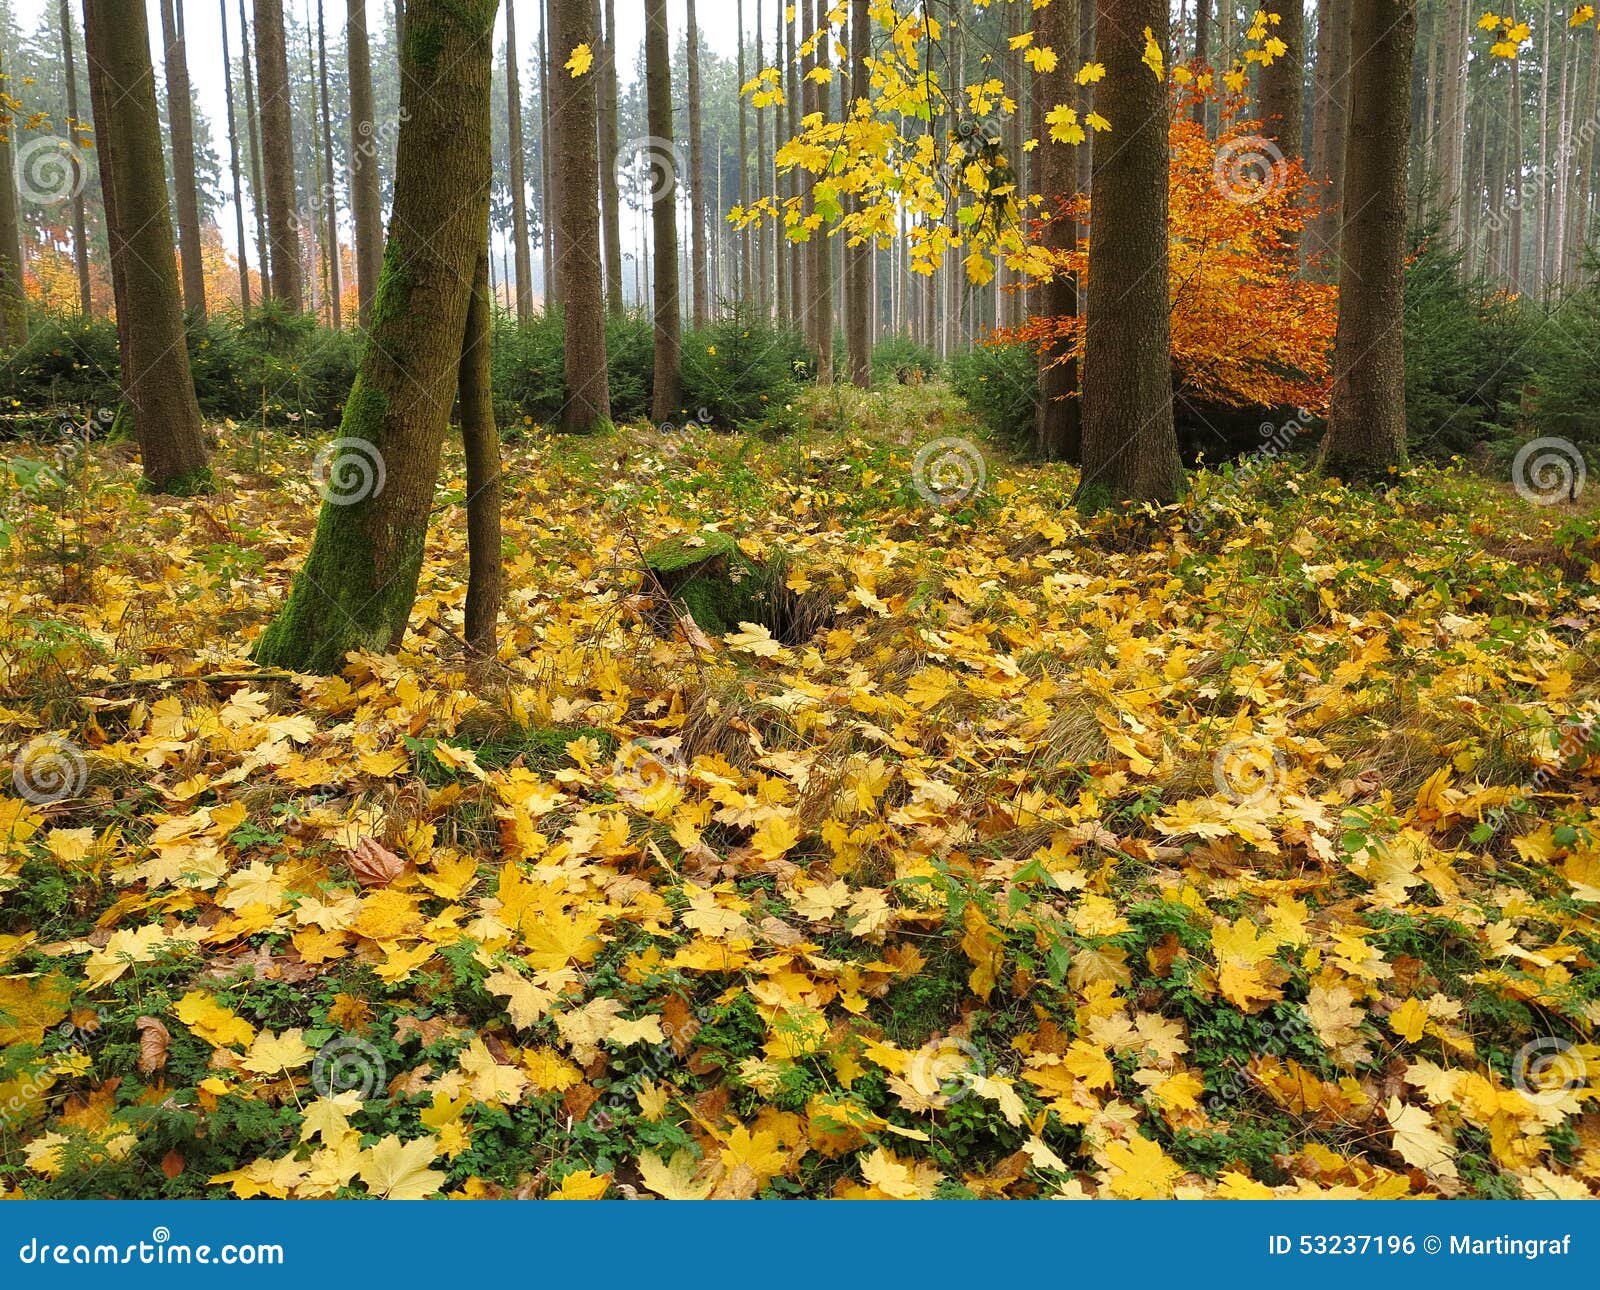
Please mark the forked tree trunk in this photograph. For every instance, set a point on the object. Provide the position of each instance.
(1366, 434)
(666, 391)
(858, 258)
(575, 170)
(481, 440)
(180, 120)
(1058, 430)
(610, 197)
(156, 381)
(360, 579)
(697, 173)
(519, 177)
(277, 149)
(1130, 445)
(366, 186)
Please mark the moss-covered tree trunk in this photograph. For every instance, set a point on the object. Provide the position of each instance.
(360, 579)
(481, 439)
(666, 392)
(1367, 419)
(366, 189)
(519, 177)
(576, 166)
(156, 381)
(277, 154)
(858, 258)
(1058, 428)
(1130, 445)
(13, 296)
(697, 169)
(180, 120)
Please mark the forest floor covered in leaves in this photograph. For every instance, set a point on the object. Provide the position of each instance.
(1249, 849)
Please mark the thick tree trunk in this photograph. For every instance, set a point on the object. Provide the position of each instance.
(519, 177)
(575, 168)
(1130, 445)
(180, 120)
(13, 293)
(481, 439)
(156, 381)
(360, 578)
(858, 257)
(277, 149)
(80, 222)
(258, 198)
(667, 389)
(234, 167)
(1367, 423)
(1330, 115)
(366, 188)
(330, 188)
(610, 196)
(697, 175)
(1058, 430)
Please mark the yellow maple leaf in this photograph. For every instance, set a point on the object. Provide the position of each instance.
(678, 1179)
(217, 1025)
(1140, 1170)
(399, 1171)
(581, 61)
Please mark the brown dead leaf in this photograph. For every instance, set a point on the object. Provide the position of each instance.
(374, 865)
(154, 1039)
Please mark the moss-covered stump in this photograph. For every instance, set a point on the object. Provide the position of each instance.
(707, 577)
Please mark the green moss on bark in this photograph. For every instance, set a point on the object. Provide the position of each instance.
(707, 577)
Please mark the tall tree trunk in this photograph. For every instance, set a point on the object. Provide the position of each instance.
(697, 175)
(1282, 87)
(1453, 122)
(258, 198)
(797, 251)
(156, 380)
(746, 276)
(821, 246)
(234, 167)
(331, 191)
(13, 292)
(1202, 56)
(519, 177)
(1542, 233)
(759, 190)
(667, 393)
(858, 254)
(80, 222)
(780, 246)
(366, 188)
(1130, 445)
(610, 196)
(1514, 175)
(1058, 430)
(180, 119)
(481, 440)
(277, 148)
(1329, 122)
(576, 174)
(360, 578)
(1366, 433)
(1583, 164)
(547, 218)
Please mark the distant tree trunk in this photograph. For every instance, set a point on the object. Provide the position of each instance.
(13, 292)
(366, 188)
(745, 276)
(858, 258)
(360, 579)
(156, 380)
(610, 196)
(1202, 54)
(1330, 120)
(1130, 445)
(481, 439)
(697, 175)
(258, 198)
(780, 247)
(667, 392)
(331, 190)
(1542, 232)
(1453, 119)
(519, 177)
(1367, 422)
(1058, 430)
(1584, 163)
(234, 167)
(1282, 93)
(180, 119)
(758, 191)
(796, 250)
(1514, 125)
(277, 148)
(80, 222)
(821, 248)
(576, 173)
(547, 218)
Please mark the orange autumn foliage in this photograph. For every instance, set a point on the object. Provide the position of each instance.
(1247, 329)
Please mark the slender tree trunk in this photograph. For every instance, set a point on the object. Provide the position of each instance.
(1542, 243)
(13, 292)
(858, 250)
(258, 198)
(697, 175)
(1058, 430)
(234, 167)
(1282, 88)
(1514, 175)
(1202, 55)
(331, 192)
(360, 579)
(610, 196)
(80, 222)
(1583, 163)
(746, 285)
(759, 191)
(547, 218)
(1330, 120)
(576, 173)
(277, 148)
(519, 177)
(180, 119)
(481, 439)
(666, 391)
(1453, 123)
(1130, 445)
(156, 380)
(796, 250)
(1366, 433)
(366, 189)
(822, 252)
